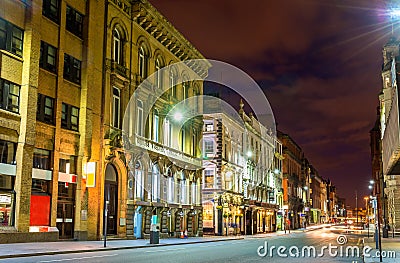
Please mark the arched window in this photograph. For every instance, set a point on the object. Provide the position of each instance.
(142, 62)
(117, 47)
(116, 107)
(156, 124)
(139, 120)
(173, 79)
(185, 87)
(159, 77)
(139, 187)
(156, 183)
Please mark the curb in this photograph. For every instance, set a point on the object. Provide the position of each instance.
(50, 253)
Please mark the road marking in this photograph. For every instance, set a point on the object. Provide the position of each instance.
(70, 259)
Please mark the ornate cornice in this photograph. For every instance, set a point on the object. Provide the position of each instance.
(147, 16)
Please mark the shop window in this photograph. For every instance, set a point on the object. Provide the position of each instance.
(40, 186)
(74, 22)
(7, 152)
(72, 69)
(9, 96)
(7, 199)
(45, 109)
(48, 57)
(51, 9)
(11, 37)
(41, 159)
(70, 117)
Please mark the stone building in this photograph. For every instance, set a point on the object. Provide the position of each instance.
(157, 175)
(223, 160)
(262, 177)
(293, 180)
(50, 76)
(68, 70)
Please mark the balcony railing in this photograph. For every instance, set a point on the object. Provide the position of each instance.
(167, 151)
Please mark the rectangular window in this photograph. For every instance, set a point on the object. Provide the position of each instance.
(70, 117)
(11, 37)
(178, 191)
(9, 96)
(45, 109)
(7, 152)
(48, 57)
(72, 69)
(184, 190)
(41, 159)
(209, 127)
(171, 189)
(74, 21)
(209, 178)
(40, 186)
(209, 146)
(68, 165)
(116, 107)
(51, 9)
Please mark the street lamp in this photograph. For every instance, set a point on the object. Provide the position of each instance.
(366, 198)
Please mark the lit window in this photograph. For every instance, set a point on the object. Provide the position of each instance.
(139, 126)
(209, 127)
(45, 109)
(172, 82)
(159, 78)
(167, 133)
(70, 117)
(48, 57)
(11, 37)
(208, 178)
(117, 54)
(208, 146)
(116, 107)
(142, 63)
(156, 121)
(68, 165)
(139, 181)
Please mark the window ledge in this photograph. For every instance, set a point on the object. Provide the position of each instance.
(8, 53)
(8, 114)
(71, 82)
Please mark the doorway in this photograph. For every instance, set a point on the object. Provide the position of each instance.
(111, 195)
(65, 219)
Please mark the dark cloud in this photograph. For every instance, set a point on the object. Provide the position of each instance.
(318, 61)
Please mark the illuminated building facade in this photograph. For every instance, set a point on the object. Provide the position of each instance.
(68, 70)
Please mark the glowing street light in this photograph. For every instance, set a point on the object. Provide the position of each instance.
(249, 154)
(178, 116)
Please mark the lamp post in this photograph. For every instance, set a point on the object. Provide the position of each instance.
(367, 212)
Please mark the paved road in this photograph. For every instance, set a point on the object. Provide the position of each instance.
(226, 251)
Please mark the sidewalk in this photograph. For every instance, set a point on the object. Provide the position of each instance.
(390, 250)
(13, 250)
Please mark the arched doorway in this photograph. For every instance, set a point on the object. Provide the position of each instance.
(111, 195)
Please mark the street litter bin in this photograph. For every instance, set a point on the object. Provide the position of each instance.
(154, 233)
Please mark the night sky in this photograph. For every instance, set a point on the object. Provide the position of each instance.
(318, 61)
